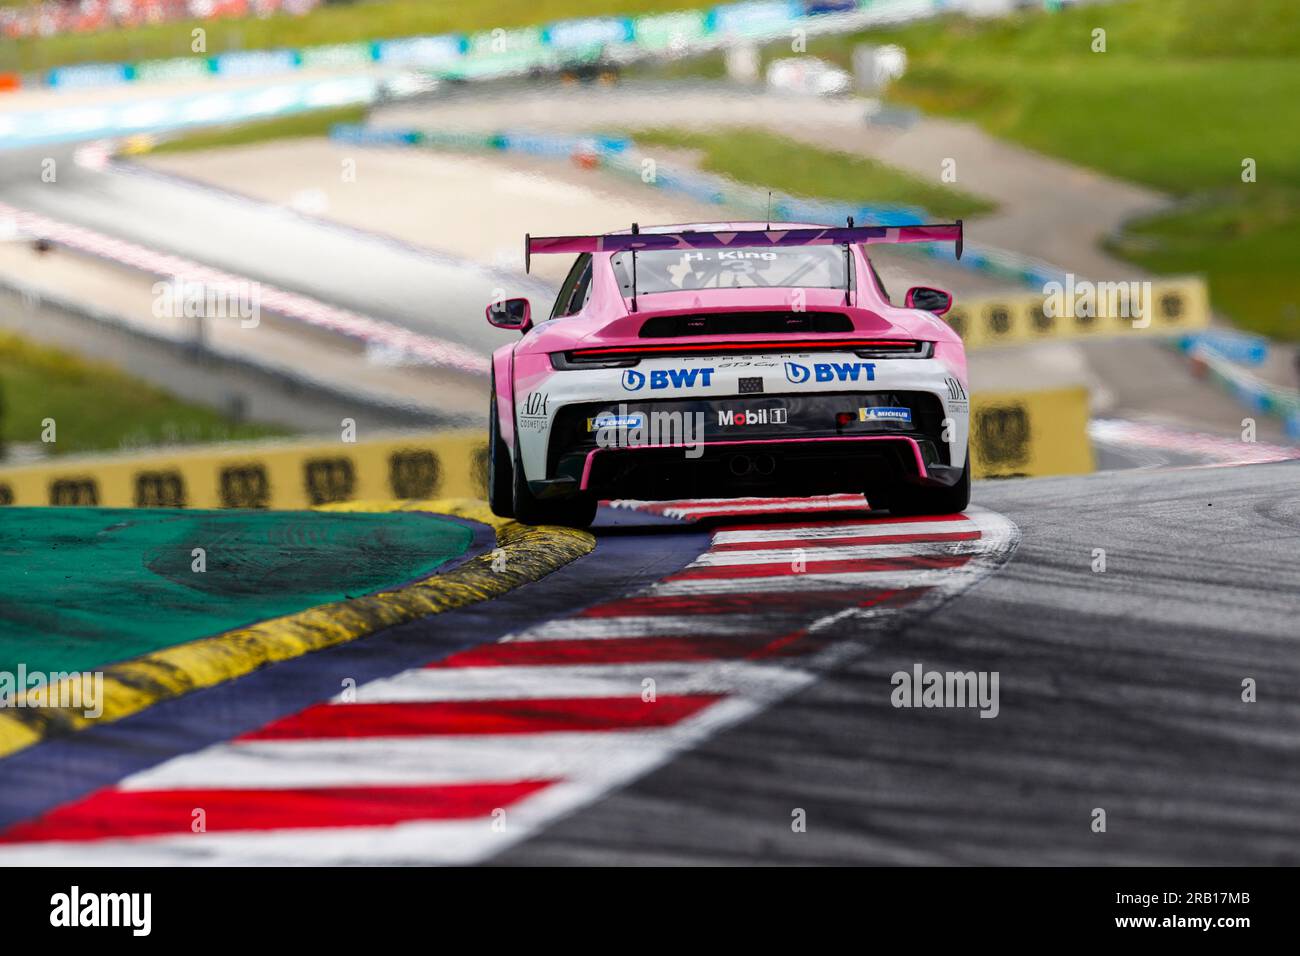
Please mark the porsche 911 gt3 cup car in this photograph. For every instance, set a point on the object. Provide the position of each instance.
(725, 360)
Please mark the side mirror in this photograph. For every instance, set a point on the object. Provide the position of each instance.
(511, 314)
(931, 300)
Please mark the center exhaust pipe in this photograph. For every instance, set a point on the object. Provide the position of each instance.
(740, 465)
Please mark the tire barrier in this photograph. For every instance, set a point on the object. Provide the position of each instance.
(280, 475)
(1030, 434)
(1012, 433)
(1173, 307)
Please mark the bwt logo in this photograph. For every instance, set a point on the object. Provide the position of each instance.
(634, 381)
(830, 372)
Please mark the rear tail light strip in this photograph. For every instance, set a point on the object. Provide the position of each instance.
(621, 356)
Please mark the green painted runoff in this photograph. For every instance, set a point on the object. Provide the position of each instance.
(85, 587)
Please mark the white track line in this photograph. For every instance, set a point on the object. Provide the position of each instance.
(567, 680)
(649, 625)
(396, 761)
(810, 553)
(863, 530)
(849, 580)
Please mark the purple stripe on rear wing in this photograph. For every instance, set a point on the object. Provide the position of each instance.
(828, 236)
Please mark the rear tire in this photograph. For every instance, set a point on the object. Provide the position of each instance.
(576, 512)
(501, 473)
(916, 500)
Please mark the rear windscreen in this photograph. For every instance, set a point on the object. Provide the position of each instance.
(673, 270)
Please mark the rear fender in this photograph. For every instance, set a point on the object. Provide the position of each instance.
(503, 380)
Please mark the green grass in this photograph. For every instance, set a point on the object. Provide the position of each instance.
(1245, 240)
(95, 407)
(1184, 92)
(766, 159)
(378, 20)
(296, 126)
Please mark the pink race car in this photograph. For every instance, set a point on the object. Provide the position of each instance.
(725, 360)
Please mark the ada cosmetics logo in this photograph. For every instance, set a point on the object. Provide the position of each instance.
(798, 374)
(958, 400)
(883, 413)
(532, 413)
(634, 381)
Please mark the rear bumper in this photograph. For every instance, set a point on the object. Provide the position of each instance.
(750, 449)
(757, 468)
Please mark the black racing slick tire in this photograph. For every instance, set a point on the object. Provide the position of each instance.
(914, 500)
(575, 512)
(500, 470)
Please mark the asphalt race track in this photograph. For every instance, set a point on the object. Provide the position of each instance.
(772, 639)
(376, 276)
(1120, 690)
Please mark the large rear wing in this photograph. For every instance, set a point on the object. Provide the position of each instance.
(638, 241)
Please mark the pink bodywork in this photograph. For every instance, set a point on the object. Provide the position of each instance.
(607, 320)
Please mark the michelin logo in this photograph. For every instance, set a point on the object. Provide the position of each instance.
(885, 414)
(634, 381)
(607, 420)
(830, 372)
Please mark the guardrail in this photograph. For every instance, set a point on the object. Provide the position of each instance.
(486, 55)
(504, 52)
(1253, 392)
(193, 110)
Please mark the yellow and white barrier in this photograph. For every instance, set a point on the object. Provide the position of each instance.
(280, 475)
(1012, 433)
(1173, 306)
(1030, 433)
